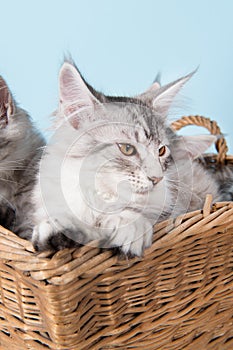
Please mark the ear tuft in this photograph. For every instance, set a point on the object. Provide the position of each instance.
(151, 90)
(162, 98)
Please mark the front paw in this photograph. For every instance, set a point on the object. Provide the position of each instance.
(132, 239)
(45, 237)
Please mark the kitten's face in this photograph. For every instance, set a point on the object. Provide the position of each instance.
(117, 161)
(124, 150)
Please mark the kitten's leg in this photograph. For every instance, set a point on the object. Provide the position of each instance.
(41, 234)
(143, 241)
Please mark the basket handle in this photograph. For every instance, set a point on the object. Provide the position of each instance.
(212, 126)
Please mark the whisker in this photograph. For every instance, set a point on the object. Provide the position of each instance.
(7, 180)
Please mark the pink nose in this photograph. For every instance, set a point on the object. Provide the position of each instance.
(155, 180)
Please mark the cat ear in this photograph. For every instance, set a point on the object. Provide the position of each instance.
(75, 97)
(195, 146)
(7, 105)
(162, 98)
(155, 86)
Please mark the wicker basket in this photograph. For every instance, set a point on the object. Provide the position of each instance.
(178, 296)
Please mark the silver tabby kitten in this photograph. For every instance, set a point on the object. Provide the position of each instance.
(20, 149)
(114, 168)
(224, 176)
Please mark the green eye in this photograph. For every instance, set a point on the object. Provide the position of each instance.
(127, 149)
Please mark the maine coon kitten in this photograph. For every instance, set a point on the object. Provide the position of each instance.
(223, 175)
(20, 150)
(114, 168)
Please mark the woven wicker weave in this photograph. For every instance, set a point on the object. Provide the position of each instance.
(178, 296)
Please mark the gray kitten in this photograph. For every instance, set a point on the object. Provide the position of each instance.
(114, 168)
(20, 150)
(223, 173)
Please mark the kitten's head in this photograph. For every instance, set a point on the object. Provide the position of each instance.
(124, 144)
(122, 141)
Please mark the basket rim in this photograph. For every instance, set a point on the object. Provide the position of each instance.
(48, 265)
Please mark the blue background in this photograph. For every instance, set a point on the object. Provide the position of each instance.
(119, 46)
